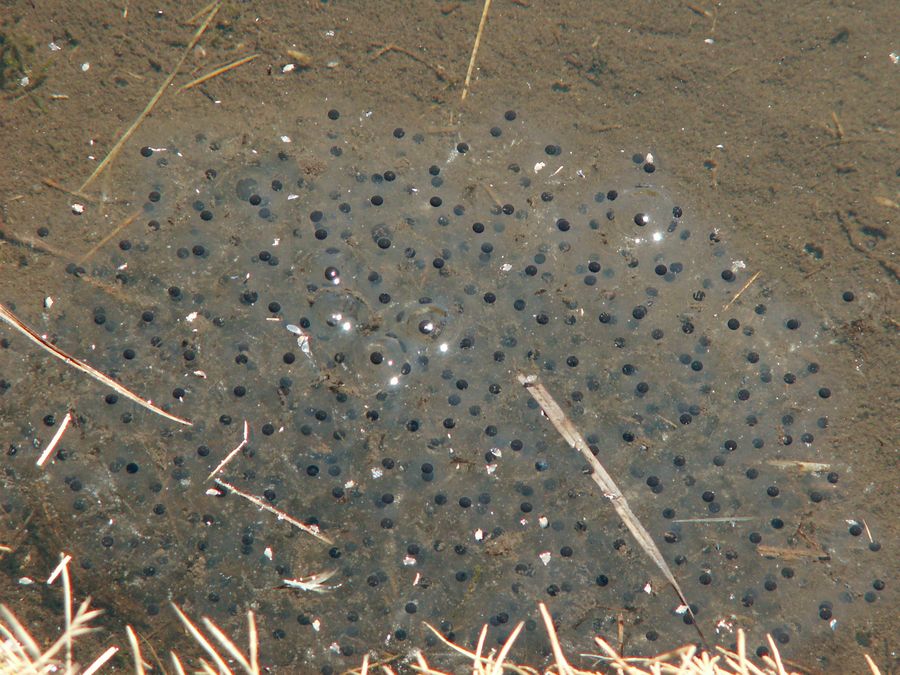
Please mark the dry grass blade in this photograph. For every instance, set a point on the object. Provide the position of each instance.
(742, 653)
(471, 68)
(872, 665)
(249, 665)
(208, 669)
(49, 182)
(229, 646)
(562, 665)
(79, 626)
(812, 467)
(218, 71)
(20, 653)
(202, 641)
(740, 292)
(15, 637)
(611, 654)
(253, 639)
(51, 446)
(240, 446)
(453, 646)
(423, 667)
(100, 244)
(176, 664)
(507, 646)
(479, 669)
(201, 13)
(310, 529)
(478, 662)
(777, 656)
(687, 661)
(15, 322)
(67, 596)
(600, 475)
(100, 661)
(135, 651)
(722, 519)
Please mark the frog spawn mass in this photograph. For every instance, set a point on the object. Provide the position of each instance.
(364, 297)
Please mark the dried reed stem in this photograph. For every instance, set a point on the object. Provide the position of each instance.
(43, 343)
(601, 476)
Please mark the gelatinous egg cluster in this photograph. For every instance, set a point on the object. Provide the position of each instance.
(362, 298)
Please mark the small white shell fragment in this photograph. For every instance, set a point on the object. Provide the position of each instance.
(302, 339)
